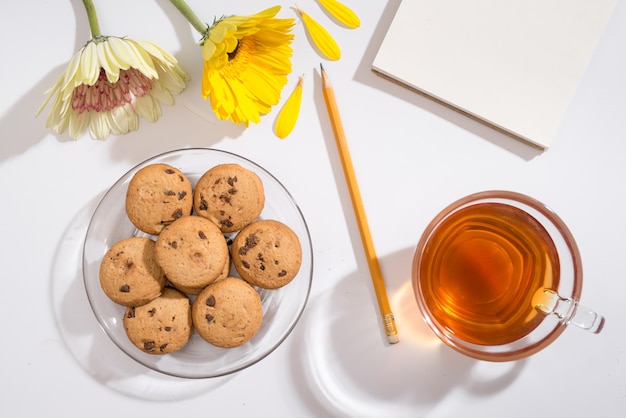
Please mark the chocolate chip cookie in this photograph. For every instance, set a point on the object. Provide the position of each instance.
(227, 313)
(192, 251)
(161, 326)
(157, 195)
(267, 253)
(229, 195)
(129, 273)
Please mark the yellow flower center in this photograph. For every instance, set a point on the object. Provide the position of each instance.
(104, 96)
(238, 59)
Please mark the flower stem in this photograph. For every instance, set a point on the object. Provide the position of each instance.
(93, 19)
(186, 11)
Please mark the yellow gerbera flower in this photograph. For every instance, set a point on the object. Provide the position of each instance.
(109, 83)
(246, 63)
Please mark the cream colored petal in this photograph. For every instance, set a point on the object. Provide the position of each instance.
(71, 75)
(108, 61)
(89, 65)
(155, 51)
(123, 53)
(49, 93)
(160, 93)
(148, 108)
(169, 80)
(144, 61)
(78, 124)
(123, 120)
(99, 128)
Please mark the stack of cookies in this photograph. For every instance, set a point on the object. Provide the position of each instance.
(178, 279)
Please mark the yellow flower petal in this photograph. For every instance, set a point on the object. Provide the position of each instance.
(288, 115)
(341, 12)
(246, 63)
(324, 42)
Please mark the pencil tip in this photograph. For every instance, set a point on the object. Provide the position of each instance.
(321, 67)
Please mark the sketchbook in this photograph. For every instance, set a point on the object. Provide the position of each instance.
(513, 65)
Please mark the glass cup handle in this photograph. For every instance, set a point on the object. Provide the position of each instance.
(568, 310)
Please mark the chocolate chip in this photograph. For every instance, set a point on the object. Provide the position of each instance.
(226, 223)
(202, 235)
(174, 244)
(131, 313)
(282, 273)
(168, 329)
(203, 204)
(225, 198)
(210, 301)
(124, 288)
(169, 193)
(232, 191)
(251, 241)
(231, 181)
(163, 347)
(169, 171)
(245, 264)
(149, 346)
(152, 311)
(209, 317)
(181, 195)
(177, 213)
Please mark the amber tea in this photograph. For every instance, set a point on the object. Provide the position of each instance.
(480, 269)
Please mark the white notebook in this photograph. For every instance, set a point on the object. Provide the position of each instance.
(512, 64)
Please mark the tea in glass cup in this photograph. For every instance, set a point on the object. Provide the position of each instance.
(497, 276)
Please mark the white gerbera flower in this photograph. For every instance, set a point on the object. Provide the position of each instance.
(109, 83)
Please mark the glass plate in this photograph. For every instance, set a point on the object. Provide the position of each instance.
(282, 307)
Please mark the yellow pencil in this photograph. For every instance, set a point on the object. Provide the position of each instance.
(357, 204)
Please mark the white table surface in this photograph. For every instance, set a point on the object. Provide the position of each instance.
(412, 158)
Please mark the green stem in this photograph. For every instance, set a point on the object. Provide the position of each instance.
(184, 8)
(93, 19)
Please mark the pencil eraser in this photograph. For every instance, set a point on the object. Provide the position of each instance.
(393, 339)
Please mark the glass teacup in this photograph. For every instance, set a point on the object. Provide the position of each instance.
(497, 276)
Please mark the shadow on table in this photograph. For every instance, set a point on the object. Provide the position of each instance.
(86, 340)
(344, 366)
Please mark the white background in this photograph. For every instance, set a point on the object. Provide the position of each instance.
(412, 158)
